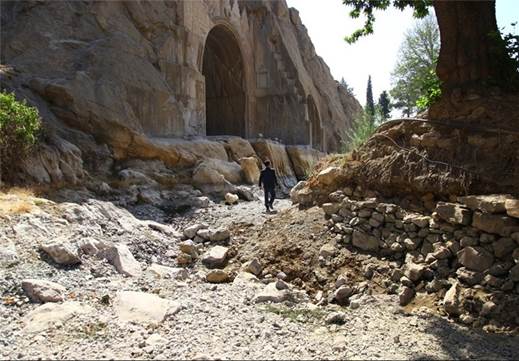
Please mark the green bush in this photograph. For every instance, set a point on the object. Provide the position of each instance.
(363, 127)
(20, 127)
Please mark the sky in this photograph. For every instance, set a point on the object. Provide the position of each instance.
(328, 23)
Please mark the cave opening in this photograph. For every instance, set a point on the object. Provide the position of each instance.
(316, 132)
(223, 69)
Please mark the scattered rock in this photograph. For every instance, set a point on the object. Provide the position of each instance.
(215, 257)
(342, 294)
(214, 235)
(337, 318)
(168, 272)
(143, 308)
(253, 266)
(42, 291)
(512, 207)
(191, 231)
(452, 300)
(272, 294)
(405, 296)
(217, 276)
(327, 250)
(189, 248)
(62, 252)
(231, 198)
(51, 314)
(120, 256)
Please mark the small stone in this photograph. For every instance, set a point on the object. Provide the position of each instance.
(503, 247)
(453, 213)
(364, 241)
(191, 231)
(405, 296)
(217, 276)
(143, 308)
(342, 294)
(253, 266)
(188, 247)
(327, 250)
(231, 198)
(487, 308)
(452, 300)
(184, 259)
(337, 318)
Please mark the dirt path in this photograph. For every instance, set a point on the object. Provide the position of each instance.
(212, 321)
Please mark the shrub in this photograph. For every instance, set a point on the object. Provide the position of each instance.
(364, 126)
(20, 127)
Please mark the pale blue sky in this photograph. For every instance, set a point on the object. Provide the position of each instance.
(328, 22)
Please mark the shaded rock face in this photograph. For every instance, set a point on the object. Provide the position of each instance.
(121, 74)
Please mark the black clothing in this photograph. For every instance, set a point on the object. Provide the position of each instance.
(269, 182)
(268, 178)
(270, 195)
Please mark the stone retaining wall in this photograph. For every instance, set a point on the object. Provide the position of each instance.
(474, 240)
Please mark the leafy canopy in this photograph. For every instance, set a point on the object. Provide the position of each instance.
(367, 8)
(415, 84)
(20, 127)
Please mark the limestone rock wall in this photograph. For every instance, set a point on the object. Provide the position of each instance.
(113, 76)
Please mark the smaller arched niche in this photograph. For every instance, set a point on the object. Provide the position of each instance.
(316, 132)
(223, 69)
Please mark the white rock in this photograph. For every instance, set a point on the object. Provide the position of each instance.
(231, 198)
(120, 256)
(51, 314)
(271, 294)
(338, 318)
(143, 308)
(190, 232)
(214, 234)
(43, 291)
(62, 252)
(215, 257)
(8, 254)
(168, 272)
(327, 250)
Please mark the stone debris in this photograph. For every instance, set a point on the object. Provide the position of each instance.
(53, 314)
(217, 276)
(231, 198)
(253, 266)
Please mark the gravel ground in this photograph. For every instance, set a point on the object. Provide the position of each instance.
(214, 321)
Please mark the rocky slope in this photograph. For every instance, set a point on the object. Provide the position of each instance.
(86, 278)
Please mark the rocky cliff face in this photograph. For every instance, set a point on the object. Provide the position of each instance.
(112, 77)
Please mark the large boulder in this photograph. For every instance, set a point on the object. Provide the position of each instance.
(239, 148)
(303, 158)
(475, 258)
(210, 180)
(278, 156)
(143, 308)
(250, 169)
(330, 176)
(231, 171)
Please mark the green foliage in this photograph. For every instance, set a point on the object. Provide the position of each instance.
(370, 104)
(363, 127)
(20, 127)
(414, 77)
(430, 91)
(367, 8)
(346, 87)
(384, 105)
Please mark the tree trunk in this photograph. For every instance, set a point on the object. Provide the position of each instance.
(472, 54)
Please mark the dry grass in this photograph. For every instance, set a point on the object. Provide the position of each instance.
(16, 201)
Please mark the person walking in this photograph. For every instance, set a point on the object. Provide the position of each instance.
(269, 182)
